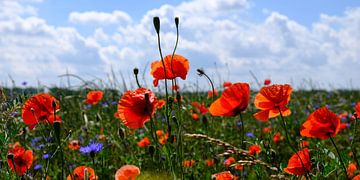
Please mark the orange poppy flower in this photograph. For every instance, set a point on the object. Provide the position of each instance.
(200, 107)
(160, 104)
(38, 108)
(304, 143)
(270, 99)
(79, 173)
(229, 161)
(321, 124)
(195, 116)
(178, 67)
(145, 142)
(227, 84)
(74, 145)
(188, 163)
(223, 176)
(127, 172)
(277, 137)
(232, 102)
(133, 108)
(211, 93)
(267, 130)
(21, 158)
(356, 177)
(159, 133)
(357, 108)
(93, 97)
(254, 149)
(351, 170)
(209, 162)
(295, 166)
(239, 167)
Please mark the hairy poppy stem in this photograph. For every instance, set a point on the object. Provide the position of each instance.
(352, 140)
(156, 22)
(57, 129)
(202, 72)
(292, 147)
(176, 44)
(242, 131)
(341, 160)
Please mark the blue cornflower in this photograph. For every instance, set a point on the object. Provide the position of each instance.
(40, 146)
(238, 123)
(46, 156)
(250, 135)
(105, 104)
(351, 138)
(36, 139)
(114, 102)
(37, 167)
(94, 147)
(24, 83)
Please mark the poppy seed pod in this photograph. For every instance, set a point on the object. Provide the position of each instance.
(156, 21)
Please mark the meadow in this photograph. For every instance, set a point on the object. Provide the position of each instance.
(227, 132)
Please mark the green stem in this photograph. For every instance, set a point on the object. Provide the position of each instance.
(242, 131)
(341, 160)
(352, 142)
(289, 144)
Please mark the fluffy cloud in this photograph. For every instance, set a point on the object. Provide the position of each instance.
(93, 17)
(212, 35)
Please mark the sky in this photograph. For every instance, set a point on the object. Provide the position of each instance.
(308, 44)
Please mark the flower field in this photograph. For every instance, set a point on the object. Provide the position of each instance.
(230, 131)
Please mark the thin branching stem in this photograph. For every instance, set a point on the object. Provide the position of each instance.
(340, 158)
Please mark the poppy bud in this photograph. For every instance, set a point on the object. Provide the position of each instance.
(177, 22)
(200, 72)
(204, 120)
(156, 21)
(136, 71)
(121, 133)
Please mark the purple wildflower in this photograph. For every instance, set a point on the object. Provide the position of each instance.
(94, 147)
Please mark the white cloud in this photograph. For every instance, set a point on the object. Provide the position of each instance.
(211, 32)
(99, 18)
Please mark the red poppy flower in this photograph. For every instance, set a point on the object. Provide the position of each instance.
(178, 67)
(227, 84)
(134, 110)
(321, 124)
(357, 108)
(200, 107)
(93, 97)
(232, 102)
(160, 104)
(343, 125)
(144, 142)
(195, 116)
(79, 173)
(229, 161)
(188, 163)
(211, 93)
(254, 149)
(39, 108)
(159, 133)
(356, 177)
(74, 145)
(223, 176)
(277, 137)
(295, 166)
(127, 172)
(351, 170)
(304, 143)
(21, 158)
(239, 167)
(267, 130)
(267, 82)
(270, 99)
(209, 162)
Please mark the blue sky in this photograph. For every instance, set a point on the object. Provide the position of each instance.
(305, 43)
